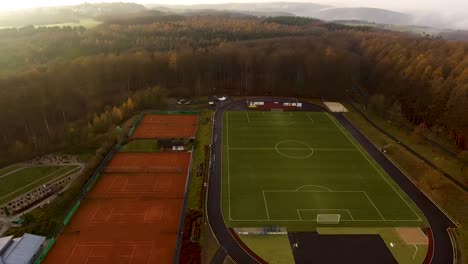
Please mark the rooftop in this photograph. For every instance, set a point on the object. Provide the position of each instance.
(19, 250)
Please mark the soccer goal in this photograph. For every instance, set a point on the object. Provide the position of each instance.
(328, 219)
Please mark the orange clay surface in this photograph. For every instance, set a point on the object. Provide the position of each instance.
(166, 126)
(129, 218)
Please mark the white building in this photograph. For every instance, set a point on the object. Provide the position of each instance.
(20, 250)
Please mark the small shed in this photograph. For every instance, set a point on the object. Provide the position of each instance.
(172, 144)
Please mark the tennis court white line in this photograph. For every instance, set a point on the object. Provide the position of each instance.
(151, 253)
(372, 164)
(71, 255)
(133, 252)
(112, 184)
(248, 118)
(90, 252)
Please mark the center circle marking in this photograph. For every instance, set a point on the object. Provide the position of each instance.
(306, 146)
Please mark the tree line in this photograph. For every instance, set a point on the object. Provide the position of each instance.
(65, 101)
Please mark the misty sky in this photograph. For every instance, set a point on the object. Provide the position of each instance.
(433, 5)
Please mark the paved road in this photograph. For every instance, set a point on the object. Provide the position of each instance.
(437, 220)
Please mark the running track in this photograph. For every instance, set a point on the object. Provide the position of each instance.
(438, 221)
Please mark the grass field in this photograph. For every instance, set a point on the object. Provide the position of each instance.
(9, 169)
(14, 183)
(141, 145)
(282, 169)
(274, 249)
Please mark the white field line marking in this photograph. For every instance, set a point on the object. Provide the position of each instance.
(248, 118)
(310, 185)
(327, 209)
(320, 149)
(314, 220)
(374, 206)
(320, 191)
(312, 120)
(71, 255)
(277, 113)
(131, 256)
(40, 179)
(227, 150)
(90, 223)
(151, 254)
(372, 164)
(13, 171)
(90, 252)
(124, 187)
(112, 184)
(266, 206)
(416, 251)
(110, 214)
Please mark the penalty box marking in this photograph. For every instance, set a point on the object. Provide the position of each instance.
(328, 209)
(290, 114)
(312, 191)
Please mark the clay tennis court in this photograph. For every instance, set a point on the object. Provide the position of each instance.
(166, 126)
(128, 217)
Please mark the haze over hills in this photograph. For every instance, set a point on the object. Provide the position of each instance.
(377, 17)
(329, 13)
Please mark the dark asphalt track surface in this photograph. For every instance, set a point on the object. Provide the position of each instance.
(438, 221)
(349, 249)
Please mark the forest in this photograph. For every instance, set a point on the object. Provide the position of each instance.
(63, 86)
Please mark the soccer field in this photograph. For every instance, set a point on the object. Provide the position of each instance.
(285, 168)
(17, 180)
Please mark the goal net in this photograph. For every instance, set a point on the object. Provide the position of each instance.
(328, 219)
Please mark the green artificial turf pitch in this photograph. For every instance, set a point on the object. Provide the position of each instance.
(284, 168)
(141, 145)
(14, 183)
